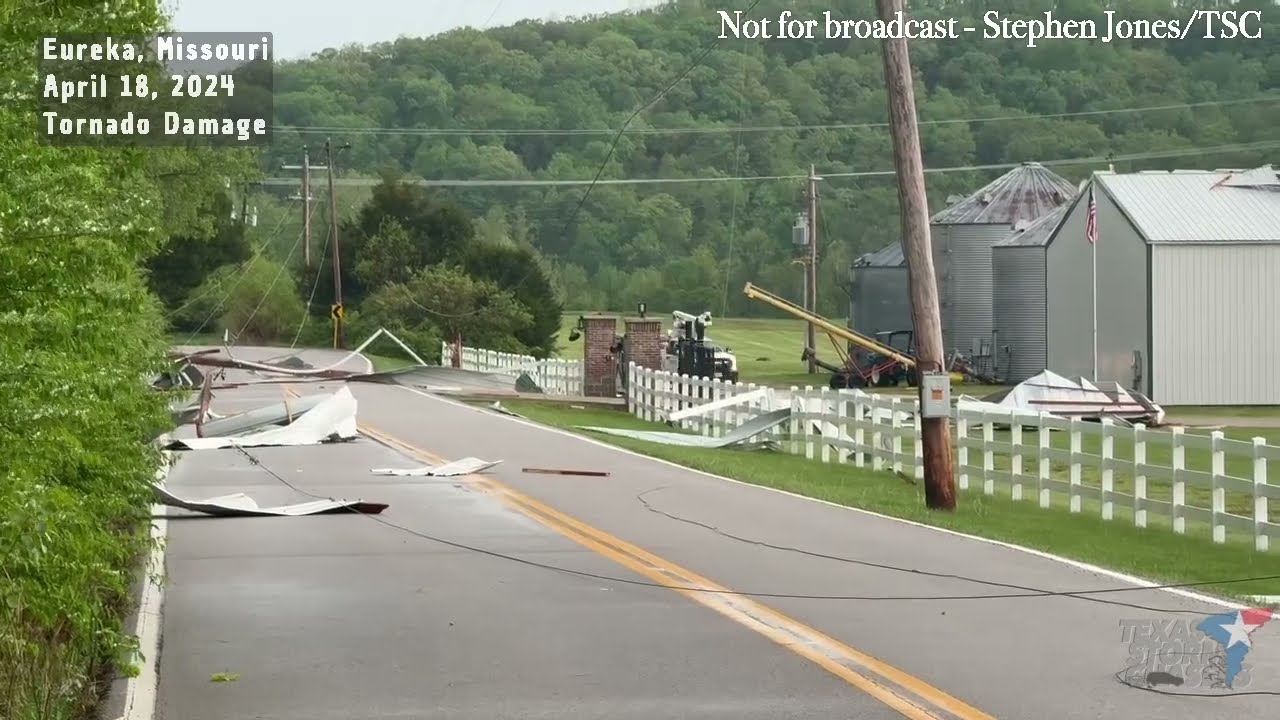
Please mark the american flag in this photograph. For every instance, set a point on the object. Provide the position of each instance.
(1091, 227)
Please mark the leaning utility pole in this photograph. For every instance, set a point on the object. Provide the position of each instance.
(337, 311)
(811, 267)
(935, 432)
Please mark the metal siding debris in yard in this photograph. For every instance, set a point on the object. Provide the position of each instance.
(241, 505)
(334, 418)
(746, 431)
(465, 466)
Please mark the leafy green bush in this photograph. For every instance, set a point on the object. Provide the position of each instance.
(79, 335)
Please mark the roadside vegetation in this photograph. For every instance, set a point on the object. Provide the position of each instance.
(1154, 553)
(80, 334)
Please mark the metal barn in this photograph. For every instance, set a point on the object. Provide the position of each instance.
(1019, 298)
(1187, 294)
(879, 298)
(962, 238)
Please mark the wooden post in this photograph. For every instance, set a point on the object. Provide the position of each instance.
(811, 269)
(337, 255)
(939, 479)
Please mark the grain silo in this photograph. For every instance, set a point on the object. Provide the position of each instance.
(962, 238)
(1019, 307)
(878, 291)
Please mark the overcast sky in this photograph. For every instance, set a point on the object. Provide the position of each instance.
(302, 27)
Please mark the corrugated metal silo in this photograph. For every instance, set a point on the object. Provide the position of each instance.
(1020, 298)
(879, 291)
(962, 238)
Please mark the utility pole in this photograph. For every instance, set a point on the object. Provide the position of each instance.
(935, 432)
(338, 310)
(306, 167)
(811, 269)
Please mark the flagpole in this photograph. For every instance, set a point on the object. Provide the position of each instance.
(1093, 249)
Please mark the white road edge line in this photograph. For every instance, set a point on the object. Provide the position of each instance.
(1114, 575)
(141, 690)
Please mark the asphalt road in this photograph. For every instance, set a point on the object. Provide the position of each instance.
(355, 617)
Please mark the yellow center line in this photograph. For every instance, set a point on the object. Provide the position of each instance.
(905, 693)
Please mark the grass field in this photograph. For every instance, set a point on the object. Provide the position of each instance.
(768, 349)
(1155, 553)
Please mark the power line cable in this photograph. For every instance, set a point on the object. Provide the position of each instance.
(328, 236)
(1032, 592)
(242, 274)
(244, 266)
(717, 129)
(284, 266)
(1092, 160)
(613, 146)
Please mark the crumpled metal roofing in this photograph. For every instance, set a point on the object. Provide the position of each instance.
(1026, 192)
(1037, 233)
(1198, 206)
(887, 256)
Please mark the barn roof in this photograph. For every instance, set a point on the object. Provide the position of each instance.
(1026, 192)
(1199, 206)
(888, 256)
(1038, 232)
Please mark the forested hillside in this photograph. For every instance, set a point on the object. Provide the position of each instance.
(537, 102)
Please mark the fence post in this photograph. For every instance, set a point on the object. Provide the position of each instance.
(895, 422)
(824, 407)
(962, 449)
(631, 388)
(988, 455)
(793, 425)
(1074, 460)
(1107, 474)
(877, 451)
(1179, 498)
(1140, 475)
(1044, 471)
(859, 430)
(1015, 462)
(842, 428)
(1218, 470)
(1260, 518)
(917, 443)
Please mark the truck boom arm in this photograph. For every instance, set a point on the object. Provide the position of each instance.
(756, 293)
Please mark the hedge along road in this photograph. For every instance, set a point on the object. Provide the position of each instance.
(345, 616)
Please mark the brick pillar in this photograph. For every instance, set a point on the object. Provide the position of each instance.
(644, 343)
(600, 370)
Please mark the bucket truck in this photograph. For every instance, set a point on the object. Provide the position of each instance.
(689, 351)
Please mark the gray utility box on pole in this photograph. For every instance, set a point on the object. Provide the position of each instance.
(935, 395)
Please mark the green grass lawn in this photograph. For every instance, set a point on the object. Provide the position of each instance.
(768, 349)
(1154, 553)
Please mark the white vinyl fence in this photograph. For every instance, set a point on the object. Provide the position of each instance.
(1189, 483)
(554, 376)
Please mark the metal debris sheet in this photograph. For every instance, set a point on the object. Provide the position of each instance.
(241, 505)
(748, 430)
(332, 419)
(465, 466)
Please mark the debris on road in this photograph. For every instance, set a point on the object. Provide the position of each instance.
(241, 505)
(182, 373)
(465, 466)
(332, 419)
(497, 407)
(741, 434)
(547, 471)
(282, 413)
